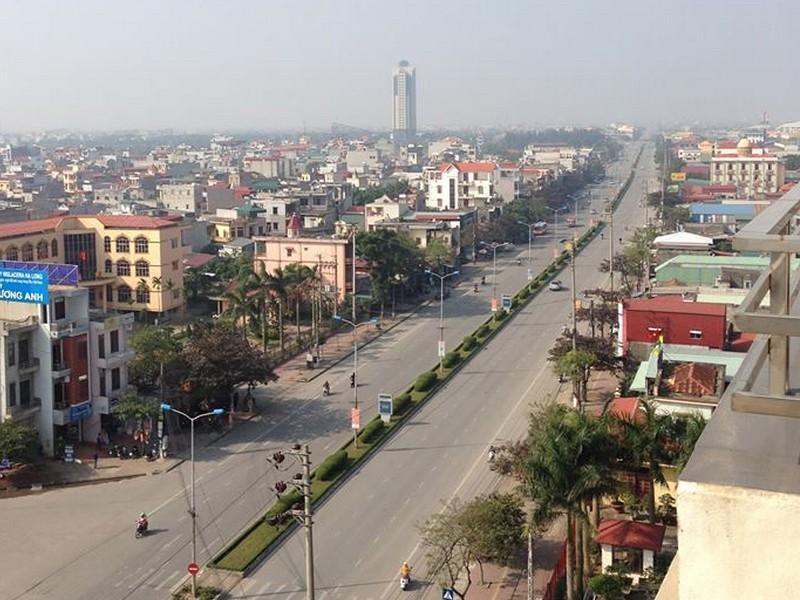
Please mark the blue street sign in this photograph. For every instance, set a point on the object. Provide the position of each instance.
(20, 285)
(385, 407)
(507, 300)
(79, 411)
(448, 594)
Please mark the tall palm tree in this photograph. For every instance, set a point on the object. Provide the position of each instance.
(568, 463)
(301, 279)
(241, 304)
(646, 439)
(277, 285)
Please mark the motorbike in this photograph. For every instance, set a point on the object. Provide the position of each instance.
(519, 261)
(404, 581)
(475, 288)
(141, 528)
(483, 280)
(326, 389)
(352, 380)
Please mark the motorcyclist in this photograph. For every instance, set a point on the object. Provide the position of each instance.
(326, 389)
(141, 523)
(352, 380)
(405, 571)
(492, 453)
(483, 279)
(519, 261)
(475, 287)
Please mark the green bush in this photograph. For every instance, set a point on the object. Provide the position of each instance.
(332, 466)
(451, 359)
(425, 381)
(372, 431)
(524, 293)
(402, 403)
(203, 593)
(483, 330)
(286, 502)
(469, 343)
(500, 315)
(515, 303)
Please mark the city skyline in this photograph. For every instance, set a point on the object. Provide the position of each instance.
(181, 66)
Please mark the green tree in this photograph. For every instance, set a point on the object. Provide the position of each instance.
(18, 442)
(276, 284)
(155, 345)
(301, 281)
(576, 365)
(241, 306)
(645, 442)
(136, 408)
(567, 464)
(692, 428)
(392, 257)
(437, 254)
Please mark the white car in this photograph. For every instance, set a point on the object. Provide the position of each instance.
(555, 286)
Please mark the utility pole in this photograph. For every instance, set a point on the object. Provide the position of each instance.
(354, 276)
(574, 298)
(440, 350)
(530, 563)
(304, 517)
(611, 247)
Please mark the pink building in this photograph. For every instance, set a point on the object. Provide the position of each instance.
(331, 256)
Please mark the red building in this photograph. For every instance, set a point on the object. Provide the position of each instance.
(677, 320)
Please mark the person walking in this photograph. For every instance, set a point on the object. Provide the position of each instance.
(96, 458)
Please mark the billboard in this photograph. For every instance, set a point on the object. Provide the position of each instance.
(22, 285)
(678, 176)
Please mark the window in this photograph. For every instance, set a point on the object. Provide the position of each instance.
(41, 250)
(25, 395)
(101, 377)
(747, 284)
(107, 244)
(114, 339)
(27, 252)
(143, 295)
(123, 268)
(274, 210)
(695, 334)
(141, 245)
(438, 189)
(80, 250)
(122, 244)
(54, 248)
(60, 308)
(123, 293)
(12, 355)
(115, 379)
(142, 268)
(174, 242)
(109, 266)
(101, 345)
(174, 265)
(24, 352)
(12, 394)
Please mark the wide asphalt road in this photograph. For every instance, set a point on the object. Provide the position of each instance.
(365, 531)
(78, 543)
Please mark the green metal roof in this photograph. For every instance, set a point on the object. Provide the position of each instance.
(639, 380)
(705, 260)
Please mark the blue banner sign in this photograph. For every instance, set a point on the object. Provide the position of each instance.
(80, 411)
(20, 285)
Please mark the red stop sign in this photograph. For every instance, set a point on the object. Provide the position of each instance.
(193, 569)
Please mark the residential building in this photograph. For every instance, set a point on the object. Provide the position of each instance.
(128, 263)
(330, 256)
(733, 215)
(182, 197)
(711, 271)
(457, 186)
(404, 103)
(753, 171)
(363, 160)
(671, 320)
(277, 208)
(245, 221)
(109, 356)
(220, 195)
(566, 157)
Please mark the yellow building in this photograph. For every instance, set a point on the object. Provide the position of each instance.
(129, 263)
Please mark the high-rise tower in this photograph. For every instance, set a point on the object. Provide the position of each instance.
(404, 113)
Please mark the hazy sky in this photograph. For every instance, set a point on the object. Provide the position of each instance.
(226, 64)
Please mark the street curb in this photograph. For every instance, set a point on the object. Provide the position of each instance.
(41, 487)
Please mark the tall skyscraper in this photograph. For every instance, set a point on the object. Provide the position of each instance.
(404, 114)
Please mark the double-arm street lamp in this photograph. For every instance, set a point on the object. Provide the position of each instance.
(355, 327)
(494, 246)
(441, 313)
(555, 229)
(530, 227)
(217, 412)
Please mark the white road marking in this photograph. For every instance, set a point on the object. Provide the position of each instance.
(168, 581)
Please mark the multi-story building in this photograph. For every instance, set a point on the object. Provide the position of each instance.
(456, 186)
(750, 169)
(109, 355)
(363, 159)
(404, 106)
(182, 197)
(243, 222)
(128, 263)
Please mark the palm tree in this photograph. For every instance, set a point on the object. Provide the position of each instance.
(646, 439)
(300, 279)
(240, 306)
(567, 464)
(693, 425)
(277, 285)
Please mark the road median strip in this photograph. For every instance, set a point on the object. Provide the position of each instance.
(260, 537)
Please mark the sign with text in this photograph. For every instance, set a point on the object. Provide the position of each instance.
(442, 350)
(355, 418)
(385, 407)
(19, 285)
(678, 176)
(507, 300)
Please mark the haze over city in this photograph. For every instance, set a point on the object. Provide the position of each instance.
(265, 65)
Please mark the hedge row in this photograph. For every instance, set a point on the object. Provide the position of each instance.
(332, 466)
(425, 381)
(372, 431)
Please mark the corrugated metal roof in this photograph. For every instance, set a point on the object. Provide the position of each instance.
(718, 208)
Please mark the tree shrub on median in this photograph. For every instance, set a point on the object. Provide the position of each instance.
(425, 381)
(286, 502)
(451, 359)
(372, 431)
(500, 315)
(469, 343)
(332, 466)
(483, 330)
(401, 404)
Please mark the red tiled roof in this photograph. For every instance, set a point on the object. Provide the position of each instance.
(195, 261)
(472, 167)
(674, 304)
(624, 408)
(8, 230)
(135, 221)
(630, 534)
(694, 379)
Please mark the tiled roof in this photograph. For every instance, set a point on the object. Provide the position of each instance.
(471, 167)
(694, 379)
(624, 408)
(9, 230)
(135, 222)
(630, 534)
(198, 260)
(674, 304)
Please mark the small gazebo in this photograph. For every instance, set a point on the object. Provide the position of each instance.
(631, 543)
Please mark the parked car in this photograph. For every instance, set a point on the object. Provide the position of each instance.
(555, 286)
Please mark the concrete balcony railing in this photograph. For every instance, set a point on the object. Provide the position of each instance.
(771, 231)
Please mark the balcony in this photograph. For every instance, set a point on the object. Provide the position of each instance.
(26, 410)
(66, 328)
(110, 361)
(24, 325)
(28, 365)
(739, 495)
(61, 370)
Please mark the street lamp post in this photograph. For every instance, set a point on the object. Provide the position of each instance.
(355, 327)
(530, 227)
(441, 313)
(555, 230)
(217, 412)
(494, 246)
